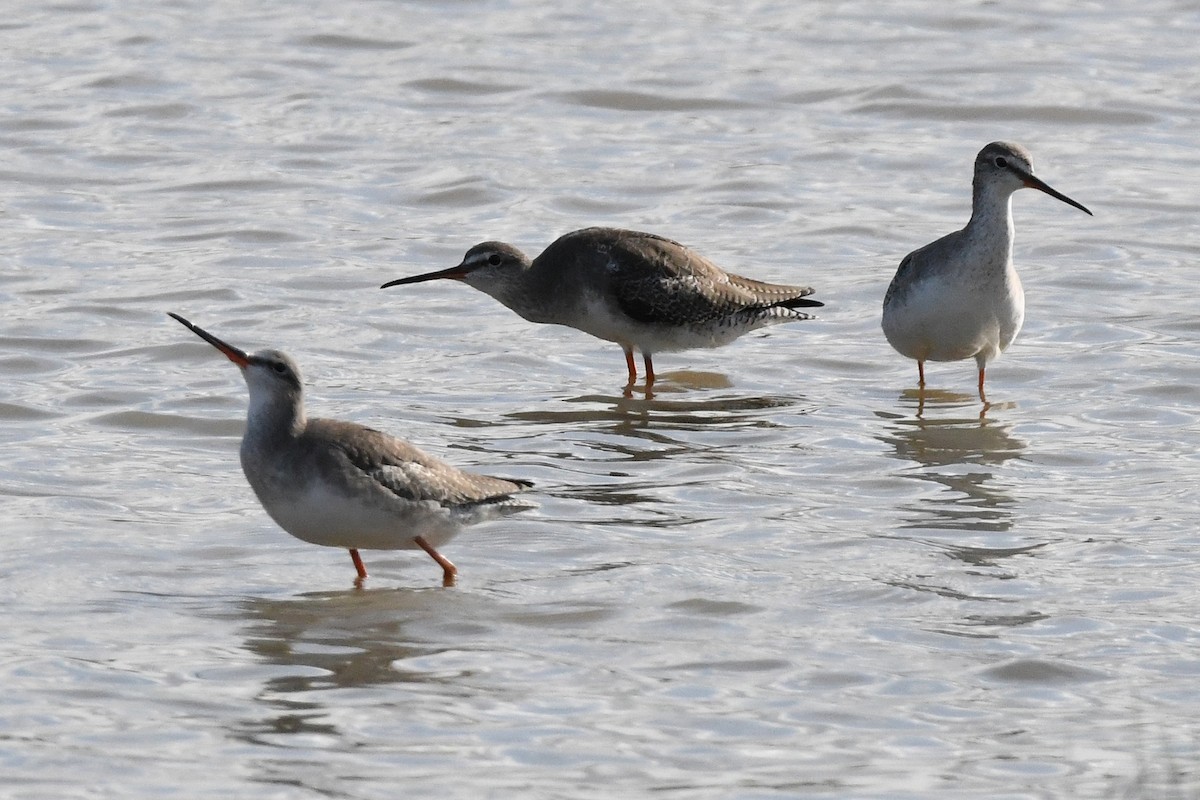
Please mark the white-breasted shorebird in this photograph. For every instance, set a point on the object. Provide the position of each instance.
(960, 296)
(639, 290)
(341, 484)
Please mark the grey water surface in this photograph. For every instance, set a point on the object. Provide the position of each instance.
(780, 575)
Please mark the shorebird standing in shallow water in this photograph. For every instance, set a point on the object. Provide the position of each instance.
(960, 296)
(639, 290)
(341, 484)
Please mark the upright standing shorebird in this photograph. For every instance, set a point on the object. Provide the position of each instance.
(341, 484)
(639, 290)
(960, 296)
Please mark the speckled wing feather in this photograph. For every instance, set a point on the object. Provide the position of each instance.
(407, 472)
(659, 281)
(928, 261)
(900, 280)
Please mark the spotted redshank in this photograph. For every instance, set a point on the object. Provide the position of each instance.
(341, 484)
(960, 296)
(639, 290)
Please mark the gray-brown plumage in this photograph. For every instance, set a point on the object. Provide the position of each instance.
(642, 291)
(341, 484)
(960, 296)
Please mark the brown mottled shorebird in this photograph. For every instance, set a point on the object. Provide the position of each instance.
(341, 484)
(960, 296)
(639, 290)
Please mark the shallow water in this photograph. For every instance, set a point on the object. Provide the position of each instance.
(781, 575)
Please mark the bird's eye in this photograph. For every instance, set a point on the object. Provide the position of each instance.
(279, 367)
(494, 259)
(1001, 162)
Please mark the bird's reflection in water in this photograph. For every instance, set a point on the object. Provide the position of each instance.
(934, 399)
(973, 518)
(684, 400)
(349, 638)
(334, 640)
(676, 383)
(627, 450)
(407, 651)
(961, 455)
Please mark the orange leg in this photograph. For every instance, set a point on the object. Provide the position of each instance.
(632, 367)
(358, 564)
(921, 373)
(448, 569)
(649, 370)
(982, 396)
